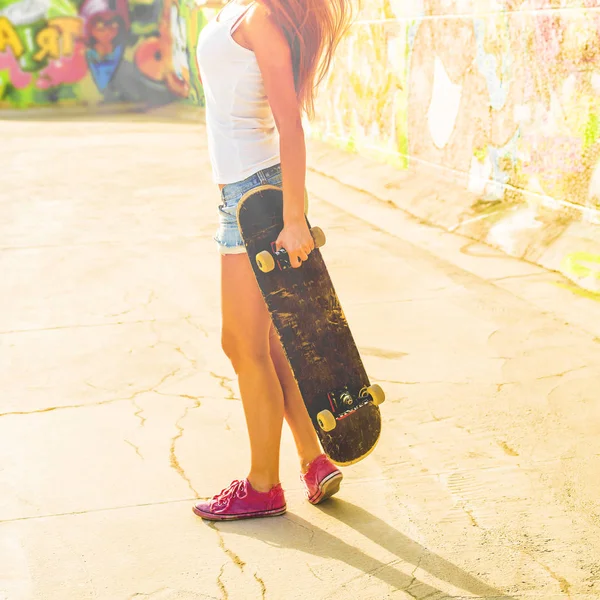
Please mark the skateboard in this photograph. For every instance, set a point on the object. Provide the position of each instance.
(308, 317)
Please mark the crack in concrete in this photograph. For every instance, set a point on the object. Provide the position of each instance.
(196, 325)
(237, 561)
(310, 531)
(520, 276)
(564, 585)
(164, 591)
(573, 370)
(139, 595)
(225, 383)
(491, 335)
(381, 380)
(313, 573)
(381, 566)
(436, 419)
(234, 558)
(221, 584)
(471, 516)
(378, 379)
(84, 326)
(97, 510)
(157, 339)
(459, 426)
(185, 396)
(506, 448)
(501, 386)
(136, 448)
(263, 587)
(120, 314)
(97, 387)
(138, 412)
(413, 576)
(192, 361)
(151, 298)
(39, 411)
(561, 459)
(227, 424)
(174, 461)
(131, 398)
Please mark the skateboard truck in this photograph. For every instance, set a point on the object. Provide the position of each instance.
(340, 400)
(343, 403)
(267, 261)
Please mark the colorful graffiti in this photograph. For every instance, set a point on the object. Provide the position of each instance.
(584, 269)
(99, 51)
(506, 92)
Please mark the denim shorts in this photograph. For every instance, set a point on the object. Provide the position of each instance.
(228, 236)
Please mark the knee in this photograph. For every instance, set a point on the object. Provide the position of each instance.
(244, 349)
(229, 344)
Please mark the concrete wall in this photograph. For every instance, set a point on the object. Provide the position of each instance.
(502, 97)
(90, 52)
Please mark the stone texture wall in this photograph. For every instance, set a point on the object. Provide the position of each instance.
(501, 96)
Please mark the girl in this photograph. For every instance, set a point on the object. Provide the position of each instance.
(260, 62)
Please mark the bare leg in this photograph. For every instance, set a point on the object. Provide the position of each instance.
(296, 414)
(245, 339)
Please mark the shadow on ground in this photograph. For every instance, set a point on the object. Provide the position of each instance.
(285, 533)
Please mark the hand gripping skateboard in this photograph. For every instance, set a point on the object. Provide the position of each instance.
(306, 312)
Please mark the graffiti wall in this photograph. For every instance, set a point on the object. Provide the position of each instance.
(506, 92)
(99, 51)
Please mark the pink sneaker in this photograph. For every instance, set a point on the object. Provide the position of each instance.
(241, 501)
(322, 480)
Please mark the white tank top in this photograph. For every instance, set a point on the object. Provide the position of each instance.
(242, 137)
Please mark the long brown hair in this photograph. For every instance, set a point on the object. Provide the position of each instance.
(313, 29)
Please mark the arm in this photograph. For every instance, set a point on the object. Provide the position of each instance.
(274, 59)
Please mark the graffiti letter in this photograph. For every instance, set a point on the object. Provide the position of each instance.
(9, 38)
(71, 28)
(48, 41)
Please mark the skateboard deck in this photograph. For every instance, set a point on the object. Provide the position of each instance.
(317, 341)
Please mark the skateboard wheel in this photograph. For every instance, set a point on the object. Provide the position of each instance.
(377, 394)
(326, 420)
(319, 237)
(265, 261)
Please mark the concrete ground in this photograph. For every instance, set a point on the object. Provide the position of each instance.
(118, 408)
